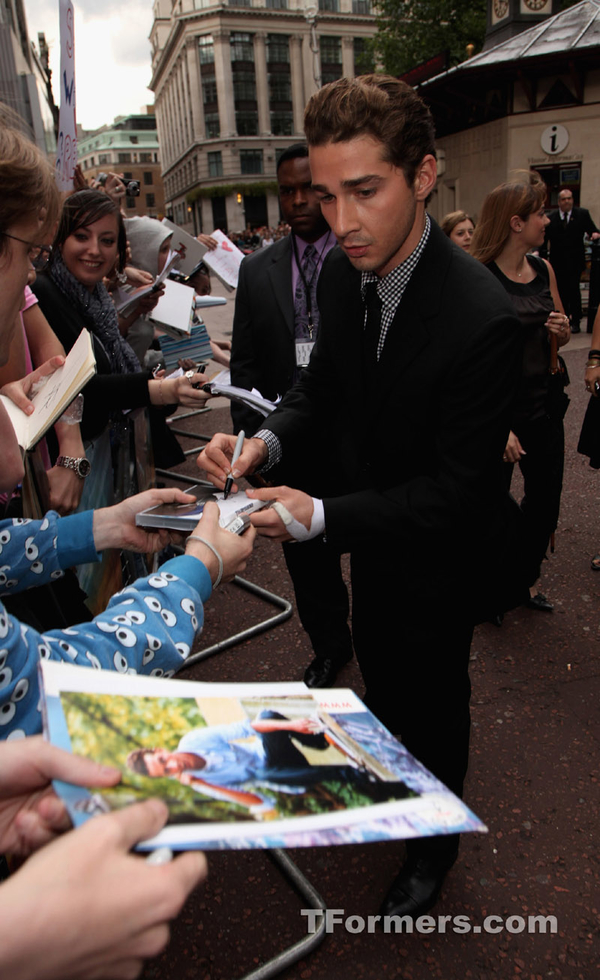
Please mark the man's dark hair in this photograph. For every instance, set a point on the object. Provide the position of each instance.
(83, 209)
(292, 153)
(373, 105)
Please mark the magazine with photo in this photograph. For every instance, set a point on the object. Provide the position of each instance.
(184, 517)
(244, 765)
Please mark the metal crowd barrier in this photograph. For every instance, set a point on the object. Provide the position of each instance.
(288, 869)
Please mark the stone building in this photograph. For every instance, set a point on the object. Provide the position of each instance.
(128, 146)
(25, 76)
(231, 81)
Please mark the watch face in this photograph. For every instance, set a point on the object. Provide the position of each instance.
(84, 467)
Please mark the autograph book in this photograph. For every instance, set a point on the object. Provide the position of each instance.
(54, 394)
(244, 765)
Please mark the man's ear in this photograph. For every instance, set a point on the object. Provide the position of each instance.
(426, 177)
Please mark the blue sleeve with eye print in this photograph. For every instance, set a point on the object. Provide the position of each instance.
(35, 552)
(148, 628)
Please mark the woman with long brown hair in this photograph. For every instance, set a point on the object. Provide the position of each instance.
(511, 227)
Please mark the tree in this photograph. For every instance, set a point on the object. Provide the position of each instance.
(412, 31)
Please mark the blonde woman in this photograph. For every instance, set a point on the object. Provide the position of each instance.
(459, 228)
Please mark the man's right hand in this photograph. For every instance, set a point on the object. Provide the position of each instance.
(215, 458)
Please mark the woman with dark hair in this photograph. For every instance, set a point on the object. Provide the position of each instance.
(459, 228)
(511, 226)
(89, 244)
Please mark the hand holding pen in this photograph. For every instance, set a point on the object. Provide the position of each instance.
(236, 455)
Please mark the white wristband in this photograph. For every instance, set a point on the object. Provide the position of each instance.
(211, 547)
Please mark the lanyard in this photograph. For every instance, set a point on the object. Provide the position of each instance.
(308, 285)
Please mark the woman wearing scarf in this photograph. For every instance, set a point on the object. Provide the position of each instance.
(89, 244)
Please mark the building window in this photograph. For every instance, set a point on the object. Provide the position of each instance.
(207, 50)
(364, 61)
(282, 123)
(251, 161)
(211, 125)
(331, 6)
(361, 6)
(278, 49)
(244, 86)
(240, 3)
(103, 158)
(215, 164)
(276, 5)
(124, 158)
(150, 201)
(246, 122)
(244, 83)
(209, 90)
(145, 158)
(134, 139)
(148, 177)
(331, 58)
(130, 202)
(280, 87)
(242, 47)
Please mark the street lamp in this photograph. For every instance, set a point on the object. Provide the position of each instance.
(310, 15)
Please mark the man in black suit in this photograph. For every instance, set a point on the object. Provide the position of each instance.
(565, 234)
(420, 431)
(275, 326)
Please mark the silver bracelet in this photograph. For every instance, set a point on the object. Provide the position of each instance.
(196, 537)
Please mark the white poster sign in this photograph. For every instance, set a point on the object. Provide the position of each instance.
(66, 154)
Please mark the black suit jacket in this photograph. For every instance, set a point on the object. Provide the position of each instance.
(263, 351)
(263, 356)
(419, 457)
(567, 251)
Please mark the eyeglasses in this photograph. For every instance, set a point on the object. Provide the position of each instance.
(38, 254)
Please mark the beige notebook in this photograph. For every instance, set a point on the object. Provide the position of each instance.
(56, 394)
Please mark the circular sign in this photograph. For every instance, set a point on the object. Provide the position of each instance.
(554, 139)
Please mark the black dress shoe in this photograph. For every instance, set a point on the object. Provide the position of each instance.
(323, 671)
(416, 889)
(539, 602)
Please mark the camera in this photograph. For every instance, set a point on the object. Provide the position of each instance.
(132, 187)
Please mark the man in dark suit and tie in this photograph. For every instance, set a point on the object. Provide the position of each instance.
(275, 326)
(564, 235)
(420, 431)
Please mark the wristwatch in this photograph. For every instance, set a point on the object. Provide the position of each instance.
(79, 465)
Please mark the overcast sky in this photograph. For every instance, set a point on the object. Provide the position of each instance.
(112, 54)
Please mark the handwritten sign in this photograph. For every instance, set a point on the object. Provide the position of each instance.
(66, 155)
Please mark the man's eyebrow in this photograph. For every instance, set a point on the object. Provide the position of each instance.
(354, 182)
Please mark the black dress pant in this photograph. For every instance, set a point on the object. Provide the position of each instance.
(412, 644)
(542, 467)
(321, 597)
(568, 282)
